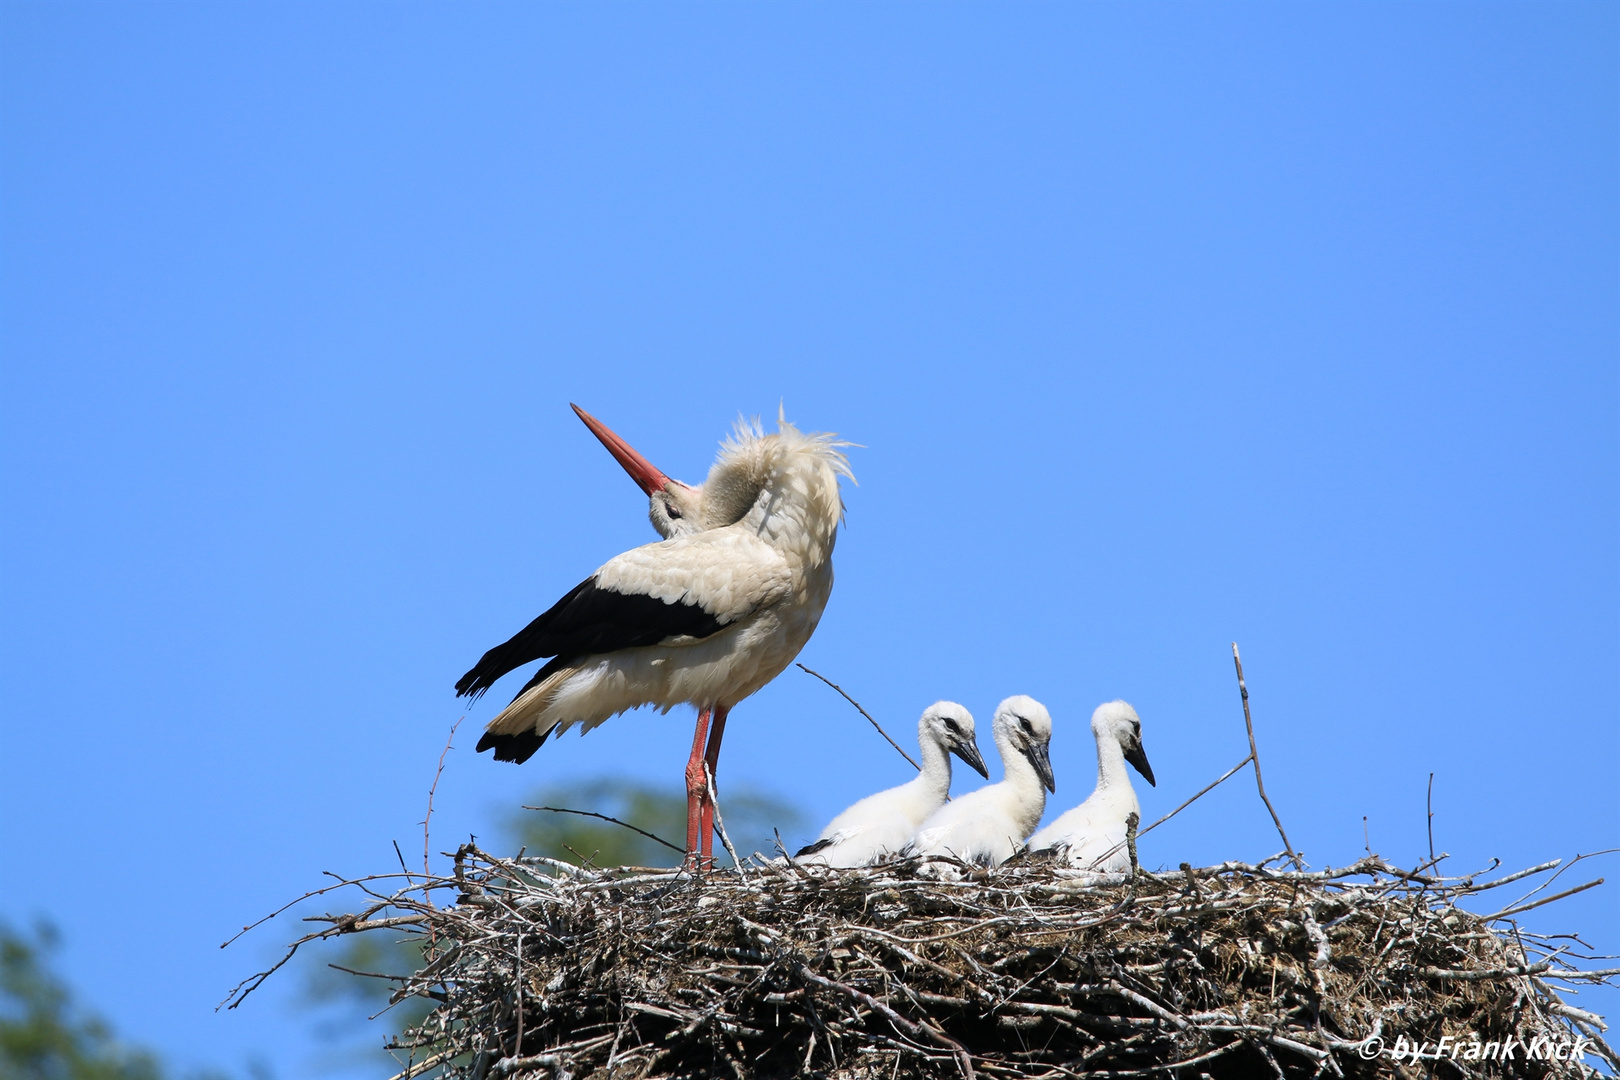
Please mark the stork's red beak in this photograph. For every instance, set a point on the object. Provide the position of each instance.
(648, 478)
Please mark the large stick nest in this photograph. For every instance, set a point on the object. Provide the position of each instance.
(538, 968)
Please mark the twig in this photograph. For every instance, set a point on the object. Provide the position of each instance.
(963, 1061)
(1254, 755)
(719, 822)
(427, 868)
(1519, 875)
(1205, 790)
(313, 892)
(1431, 817)
(1132, 820)
(1483, 976)
(369, 974)
(863, 712)
(1505, 912)
(509, 1065)
(1561, 869)
(614, 820)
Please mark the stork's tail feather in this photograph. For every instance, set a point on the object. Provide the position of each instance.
(517, 731)
(514, 748)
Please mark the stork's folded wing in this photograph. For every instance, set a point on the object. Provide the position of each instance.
(727, 573)
(669, 593)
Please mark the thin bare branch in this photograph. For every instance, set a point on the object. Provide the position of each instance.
(614, 820)
(1517, 909)
(1431, 817)
(1254, 755)
(863, 712)
(720, 822)
(427, 868)
(1205, 790)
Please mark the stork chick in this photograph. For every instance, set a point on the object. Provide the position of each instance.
(986, 826)
(1092, 835)
(704, 619)
(880, 824)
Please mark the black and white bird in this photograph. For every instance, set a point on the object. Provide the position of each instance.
(988, 825)
(1092, 835)
(704, 618)
(879, 825)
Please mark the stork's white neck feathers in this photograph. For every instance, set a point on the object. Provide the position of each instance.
(785, 486)
(1111, 774)
(935, 777)
(1022, 783)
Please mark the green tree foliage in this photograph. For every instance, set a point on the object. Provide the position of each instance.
(751, 818)
(43, 1036)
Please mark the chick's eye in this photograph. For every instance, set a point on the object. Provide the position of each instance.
(672, 510)
(1028, 729)
(950, 725)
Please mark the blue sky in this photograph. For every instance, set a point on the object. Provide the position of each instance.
(1160, 327)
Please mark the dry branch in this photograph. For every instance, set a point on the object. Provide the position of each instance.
(1254, 756)
(863, 712)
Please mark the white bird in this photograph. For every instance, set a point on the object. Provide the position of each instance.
(676, 508)
(1092, 835)
(704, 619)
(988, 825)
(881, 824)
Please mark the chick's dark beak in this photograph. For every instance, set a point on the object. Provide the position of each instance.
(1038, 757)
(1138, 758)
(969, 752)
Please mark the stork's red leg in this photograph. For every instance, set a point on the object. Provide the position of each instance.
(712, 759)
(697, 785)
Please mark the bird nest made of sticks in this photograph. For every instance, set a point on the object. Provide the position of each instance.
(774, 969)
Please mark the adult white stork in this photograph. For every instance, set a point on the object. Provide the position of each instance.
(880, 824)
(988, 825)
(704, 619)
(1093, 834)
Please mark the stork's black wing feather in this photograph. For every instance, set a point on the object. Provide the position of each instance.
(819, 845)
(590, 620)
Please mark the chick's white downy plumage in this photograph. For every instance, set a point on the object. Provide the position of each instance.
(986, 826)
(1092, 835)
(879, 825)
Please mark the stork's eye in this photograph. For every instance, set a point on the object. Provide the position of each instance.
(1028, 727)
(672, 510)
(950, 725)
